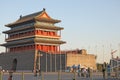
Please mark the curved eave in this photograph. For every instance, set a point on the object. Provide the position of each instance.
(43, 36)
(48, 20)
(18, 29)
(19, 38)
(19, 21)
(49, 41)
(48, 27)
(18, 42)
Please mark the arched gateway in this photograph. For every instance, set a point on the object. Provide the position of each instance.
(28, 35)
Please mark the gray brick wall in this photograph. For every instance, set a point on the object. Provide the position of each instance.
(25, 61)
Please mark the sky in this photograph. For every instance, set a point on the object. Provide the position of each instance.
(93, 25)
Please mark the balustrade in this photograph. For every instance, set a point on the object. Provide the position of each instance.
(45, 48)
(36, 32)
(22, 48)
(46, 33)
(29, 33)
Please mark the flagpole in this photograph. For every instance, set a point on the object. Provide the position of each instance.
(55, 60)
(111, 58)
(119, 50)
(103, 53)
(60, 57)
(65, 60)
(50, 62)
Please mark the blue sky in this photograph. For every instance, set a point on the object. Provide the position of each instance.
(90, 24)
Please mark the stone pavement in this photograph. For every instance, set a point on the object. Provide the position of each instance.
(53, 76)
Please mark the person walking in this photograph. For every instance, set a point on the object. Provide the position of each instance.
(103, 71)
(85, 72)
(10, 75)
(74, 68)
(78, 70)
(108, 71)
(88, 71)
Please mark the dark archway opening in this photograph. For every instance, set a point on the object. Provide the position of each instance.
(14, 65)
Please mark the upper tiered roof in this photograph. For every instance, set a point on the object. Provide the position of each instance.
(34, 17)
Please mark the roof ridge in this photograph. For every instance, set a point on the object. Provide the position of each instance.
(32, 14)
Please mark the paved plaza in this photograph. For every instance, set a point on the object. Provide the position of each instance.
(53, 76)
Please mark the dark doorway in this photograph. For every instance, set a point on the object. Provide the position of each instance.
(14, 65)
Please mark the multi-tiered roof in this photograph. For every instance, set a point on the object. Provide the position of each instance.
(33, 31)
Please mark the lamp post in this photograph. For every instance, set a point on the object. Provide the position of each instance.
(39, 65)
(103, 52)
(55, 61)
(39, 62)
(119, 50)
(50, 62)
(60, 58)
(46, 62)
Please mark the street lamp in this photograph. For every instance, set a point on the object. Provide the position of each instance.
(39, 62)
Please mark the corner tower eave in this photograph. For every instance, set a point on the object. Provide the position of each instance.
(40, 40)
(48, 27)
(18, 29)
(19, 21)
(48, 20)
(31, 40)
(44, 17)
(23, 19)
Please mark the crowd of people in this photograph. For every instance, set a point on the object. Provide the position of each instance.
(87, 72)
(82, 72)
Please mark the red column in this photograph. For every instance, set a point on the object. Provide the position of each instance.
(50, 33)
(44, 48)
(41, 47)
(49, 47)
(52, 48)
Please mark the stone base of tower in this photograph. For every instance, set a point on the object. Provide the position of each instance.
(25, 61)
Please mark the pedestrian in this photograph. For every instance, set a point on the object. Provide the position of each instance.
(85, 72)
(108, 71)
(82, 75)
(88, 71)
(10, 75)
(78, 70)
(10, 78)
(103, 71)
(39, 72)
(73, 68)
